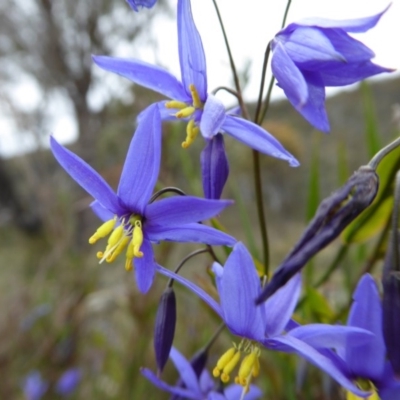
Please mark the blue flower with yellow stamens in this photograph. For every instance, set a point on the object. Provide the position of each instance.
(269, 324)
(315, 53)
(190, 101)
(130, 222)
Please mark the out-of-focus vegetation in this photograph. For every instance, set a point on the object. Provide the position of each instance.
(60, 308)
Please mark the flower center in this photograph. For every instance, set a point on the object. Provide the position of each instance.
(249, 365)
(128, 234)
(364, 385)
(187, 110)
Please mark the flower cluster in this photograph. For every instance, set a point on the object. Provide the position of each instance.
(307, 57)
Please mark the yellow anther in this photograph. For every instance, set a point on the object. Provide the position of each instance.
(231, 365)
(191, 133)
(115, 236)
(137, 239)
(216, 372)
(256, 368)
(103, 231)
(128, 264)
(225, 358)
(175, 104)
(119, 248)
(225, 377)
(195, 96)
(185, 112)
(99, 255)
(246, 367)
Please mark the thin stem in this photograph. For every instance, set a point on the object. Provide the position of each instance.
(167, 190)
(262, 83)
(231, 91)
(214, 337)
(383, 153)
(286, 14)
(395, 223)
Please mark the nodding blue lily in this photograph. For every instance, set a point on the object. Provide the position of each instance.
(198, 387)
(131, 223)
(190, 101)
(268, 325)
(142, 3)
(312, 54)
(34, 386)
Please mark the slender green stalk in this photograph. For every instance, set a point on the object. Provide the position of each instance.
(383, 153)
(262, 83)
(395, 224)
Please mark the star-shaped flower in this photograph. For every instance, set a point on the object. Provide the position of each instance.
(268, 325)
(315, 53)
(130, 220)
(191, 102)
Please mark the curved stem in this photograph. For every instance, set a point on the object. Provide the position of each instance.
(383, 153)
(395, 224)
(166, 190)
(231, 91)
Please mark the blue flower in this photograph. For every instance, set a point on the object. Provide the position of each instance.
(144, 3)
(34, 386)
(367, 362)
(68, 381)
(130, 221)
(197, 387)
(268, 325)
(315, 53)
(190, 100)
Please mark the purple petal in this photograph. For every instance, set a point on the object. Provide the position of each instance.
(34, 386)
(145, 267)
(68, 381)
(100, 211)
(191, 53)
(185, 370)
(289, 77)
(144, 3)
(257, 138)
(195, 233)
(142, 164)
(183, 210)
(144, 74)
(280, 306)
(206, 382)
(233, 392)
(291, 344)
(86, 177)
(200, 292)
(185, 393)
(212, 118)
(348, 25)
(368, 359)
(214, 167)
(240, 285)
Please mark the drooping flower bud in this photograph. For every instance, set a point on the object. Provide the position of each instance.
(164, 330)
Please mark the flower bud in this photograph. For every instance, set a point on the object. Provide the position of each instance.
(68, 381)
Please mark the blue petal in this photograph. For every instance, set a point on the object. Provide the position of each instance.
(86, 177)
(191, 53)
(289, 77)
(100, 211)
(195, 289)
(206, 382)
(257, 138)
(280, 306)
(185, 370)
(218, 270)
(144, 3)
(144, 74)
(183, 210)
(212, 118)
(233, 392)
(291, 344)
(214, 167)
(145, 267)
(142, 164)
(195, 233)
(368, 359)
(240, 285)
(185, 393)
(348, 25)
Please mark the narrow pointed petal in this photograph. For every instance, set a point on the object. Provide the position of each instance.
(191, 52)
(214, 167)
(145, 267)
(289, 77)
(185, 370)
(218, 270)
(291, 344)
(100, 211)
(212, 118)
(240, 285)
(144, 74)
(142, 164)
(180, 210)
(366, 312)
(348, 25)
(257, 138)
(195, 289)
(86, 177)
(184, 393)
(195, 233)
(233, 392)
(279, 307)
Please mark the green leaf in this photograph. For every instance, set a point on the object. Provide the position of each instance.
(318, 305)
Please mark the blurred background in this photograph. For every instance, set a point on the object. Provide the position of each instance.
(60, 309)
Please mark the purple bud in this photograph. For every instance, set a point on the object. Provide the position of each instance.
(199, 361)
(164, 330)
(214, 167)
(68, 381)
(34, 386)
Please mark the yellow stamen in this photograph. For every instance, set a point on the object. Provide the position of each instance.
(119, 248)
(137, 239)
(195, 96)
(246, 367)
(229, 367)
(129, 264)
(224, 359)
(103, 231)
(115, 236)
(175, 104)
(191, 134)
(185, 112)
